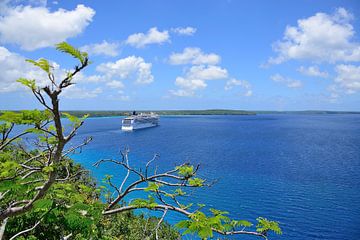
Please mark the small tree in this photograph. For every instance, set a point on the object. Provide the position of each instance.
(41, 179)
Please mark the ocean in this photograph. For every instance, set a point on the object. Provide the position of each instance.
(302, 170)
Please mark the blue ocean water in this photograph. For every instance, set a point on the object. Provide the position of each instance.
(301, 170)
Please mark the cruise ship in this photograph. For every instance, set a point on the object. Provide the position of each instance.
(140, 120)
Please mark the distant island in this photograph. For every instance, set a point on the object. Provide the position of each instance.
(163, 112)
(111, 113)
(202, 112)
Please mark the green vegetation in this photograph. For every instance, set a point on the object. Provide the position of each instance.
(92, 113)
(45, 195)
(69, 207)
(163, 112)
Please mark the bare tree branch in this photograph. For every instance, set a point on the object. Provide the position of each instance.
(25, 231)
(2, 228)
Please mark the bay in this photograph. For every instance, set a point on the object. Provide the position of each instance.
(302, 170)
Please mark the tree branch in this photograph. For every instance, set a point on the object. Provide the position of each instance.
(25, 231)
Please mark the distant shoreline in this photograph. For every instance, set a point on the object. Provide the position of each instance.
(109, 113)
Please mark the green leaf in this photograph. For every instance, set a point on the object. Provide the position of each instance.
(182, 224)
(180, 192)
(218, 212)
(71, 118)
(27, 82)
(67, 48)
(48, 169)
(196, 182)
(240, 223)
(265, 225)
(43, 204)
(152, 187)
(186, 171)
(41, 63)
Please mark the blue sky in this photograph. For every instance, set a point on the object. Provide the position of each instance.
(252, 55)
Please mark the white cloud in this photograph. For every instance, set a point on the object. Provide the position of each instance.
(191, 84)
(122, 96)
(36, 27)
(334, 93)
(12, 67)
(187, 87)
(189, 31)
(115, 84)
(320, 38)
(194, 56)
(182, 93)
(207, 72)
(95, 78)
(130, 67)
(230, 84)
(195, 79)
(348, 78)
(290, 83)
(6, 5)
(153, 36)
(312, 71)
(75, 92)
(104, 48)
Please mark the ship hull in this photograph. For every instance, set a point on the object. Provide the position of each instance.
(138, 126)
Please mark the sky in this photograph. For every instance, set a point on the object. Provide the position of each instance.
(205, 54)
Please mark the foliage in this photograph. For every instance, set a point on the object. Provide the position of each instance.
(265, 225)
(42, 63)
(204, 226)
(74, 207)
(25, 117)
(67, 48)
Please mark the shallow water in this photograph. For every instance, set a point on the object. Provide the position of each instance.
(301, 170)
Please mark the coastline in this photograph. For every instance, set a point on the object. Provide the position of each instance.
(210, 112)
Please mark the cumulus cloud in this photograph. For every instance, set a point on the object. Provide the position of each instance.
(189, 31)
(191, 84)
(95, 78)
(12, 67)
(320, 38)
(230, 84)
(115, 84)
(75, 92)
(182, 93)
(153, 36)
(207, 72)
(187, 86)
(290, 83)
(103, 48)
(36, 27)
(129, 67)
(348, 78)
(194, 56)
(312, 71)
(195, 79)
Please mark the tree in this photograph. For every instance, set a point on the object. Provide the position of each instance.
(37, 183)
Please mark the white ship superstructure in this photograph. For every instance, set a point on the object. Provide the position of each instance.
(138, 121)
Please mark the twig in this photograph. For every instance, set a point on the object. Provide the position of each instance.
(25, 231)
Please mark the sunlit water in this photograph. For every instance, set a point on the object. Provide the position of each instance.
(301, 170)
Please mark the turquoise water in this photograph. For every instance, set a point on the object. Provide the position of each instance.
(301, 170)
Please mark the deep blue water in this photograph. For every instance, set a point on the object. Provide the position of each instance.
(301, 170)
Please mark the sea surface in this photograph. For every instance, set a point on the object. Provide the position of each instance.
(300, 170)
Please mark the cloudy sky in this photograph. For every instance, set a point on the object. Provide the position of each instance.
(253, 55)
